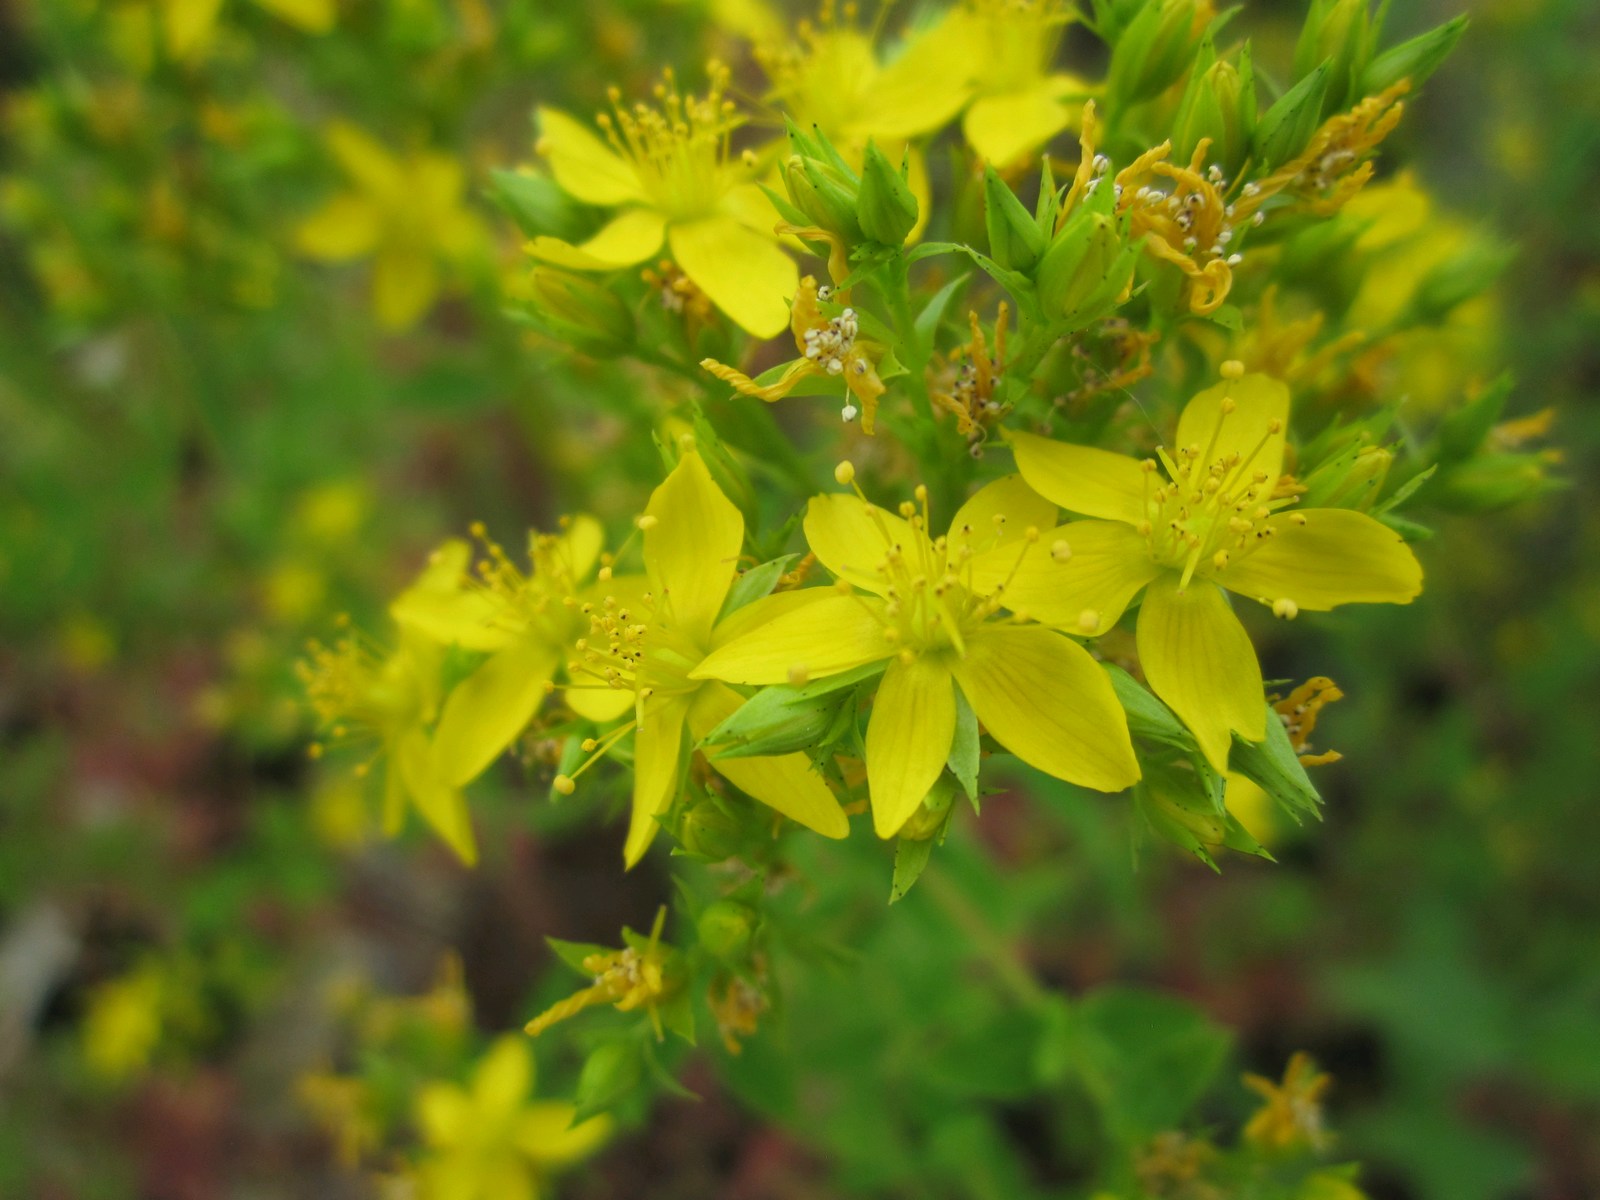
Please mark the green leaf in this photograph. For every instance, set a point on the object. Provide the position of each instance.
(927, 321)
(910, 858)
(756, 583)
(1274, 766)
(573, 953)
(964, 750)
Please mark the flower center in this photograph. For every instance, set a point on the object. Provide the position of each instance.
(679, 148)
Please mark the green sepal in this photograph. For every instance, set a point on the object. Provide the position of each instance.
(1273, 765)
(755, 583)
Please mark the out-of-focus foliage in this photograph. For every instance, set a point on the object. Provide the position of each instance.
(269, 334)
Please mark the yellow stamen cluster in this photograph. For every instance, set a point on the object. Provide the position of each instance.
(679, 147)
(968, 387)
(355, 690)
(1212, 508)
(737, 1007)
(1336, 163)
(680, 295)
(541, 600)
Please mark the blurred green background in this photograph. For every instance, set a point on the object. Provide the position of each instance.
(209, 445)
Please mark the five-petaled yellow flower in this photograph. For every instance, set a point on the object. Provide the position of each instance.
(692, 539)
(526, 622)
(669, 173)
(405, 211)
(932, 611)
(489, 1140)
(1217, 521)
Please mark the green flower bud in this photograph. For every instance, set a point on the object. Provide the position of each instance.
(1351, 479)
(1154, 50)
(1492, 481)
(710, 832)
(1337, 32)
(1459, 278)
(726, 928)
(1220, 104)
(1414, 60)
(931, 814)
(826, 196)
(609, 1074)
(579, 310)
(1179, 805)
(886, 210)
(1015, 239)
(1289, 124)
(776, 720)
(1084, 273)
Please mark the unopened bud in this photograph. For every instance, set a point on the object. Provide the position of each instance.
(885, 209)
(726, 928)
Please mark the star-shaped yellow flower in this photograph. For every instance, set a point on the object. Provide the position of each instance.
(669, 174)
(929, 616)
(651, 652)
(490, 1140)
(405, 211)
(1216, 521)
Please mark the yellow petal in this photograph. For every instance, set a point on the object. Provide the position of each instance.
(364, 159)
(901, 102)
(748, 204)
(441, 805)
(745, 274)
(751, 616)
(453, 615)
(584, 166)
(692, 550)
(1082, 479)
(346, 227)
(309, 16)
(657, 746)
(631, 237)
(788, 783)
(1107, 564)
(1004, 127)
(546, 1134)
(1337, 556)
(836, 633)
(502, 1078)
(908, 738)
(404, 283)
(188, 25)
(1045, 699)
(580, 544)
(444, 1114)
(490, 708)
(598, 703)
(1260, 400)
(850, 537)
(1198, 658)
(1009, 498)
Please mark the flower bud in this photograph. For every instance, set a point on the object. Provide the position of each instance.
(1155, 50)
(1352, 479)
(1086, 270)
(1493, 481)
(821, 185)
(1015, 239)
(610, 1073)
(710, 832)
(1220, 104)
(578, 310)
(1179, 805)
(776, 720)
(726, 928)
(886, 209)
(1337, 32)
(1459, 278)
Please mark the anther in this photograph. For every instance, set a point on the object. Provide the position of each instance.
(1060, 551)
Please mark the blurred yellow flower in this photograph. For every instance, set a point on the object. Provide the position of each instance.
(490, 1140)
(122, 1027)
(670, 175)
(406, 212)
(933, 612)
(188, 26)
(1290, 1117)
(1216, 522)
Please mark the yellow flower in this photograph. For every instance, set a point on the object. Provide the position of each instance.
(1291, 1117)
(525, 622)
(932, 612)
(831, 77)
(405, 211)
(692, 538)
(1002, 50)
(1215, 522)
(489, 1140)
(827, 346)
(362, 693)
(669, 173)
(122, 1027)
(188, 26)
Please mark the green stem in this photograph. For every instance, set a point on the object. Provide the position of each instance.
(997, 953)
